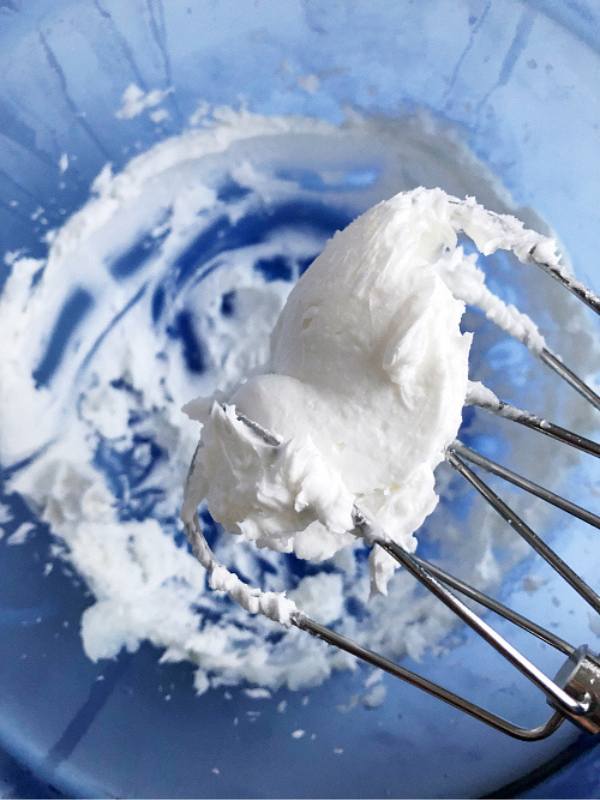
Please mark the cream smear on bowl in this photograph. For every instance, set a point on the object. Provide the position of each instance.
(165, 286)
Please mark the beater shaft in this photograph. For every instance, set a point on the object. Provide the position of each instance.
(525, 531)
(467, 454)
(570, 282)
(570, 377)
(337, 640)
(371, 531)
(496, 606)
(540, 425)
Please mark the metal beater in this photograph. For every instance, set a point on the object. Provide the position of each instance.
(574, 693)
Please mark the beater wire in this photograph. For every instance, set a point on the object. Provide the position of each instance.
(467, 454)
(525, 531)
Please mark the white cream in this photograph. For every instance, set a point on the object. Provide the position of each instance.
(265, 492)
(367, 361)
(273, 605)
(135, 100)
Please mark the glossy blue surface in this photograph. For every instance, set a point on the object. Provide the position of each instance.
(520, 83)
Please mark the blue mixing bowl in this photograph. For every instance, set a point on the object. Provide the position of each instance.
(513, 84)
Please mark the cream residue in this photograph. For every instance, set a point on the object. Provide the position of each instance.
(273, 605)
(135, 100)
(98, 445)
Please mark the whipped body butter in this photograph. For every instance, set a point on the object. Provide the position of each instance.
(364, 388)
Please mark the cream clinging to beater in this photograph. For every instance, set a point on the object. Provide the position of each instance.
(430, 242)
(369, 365)
(368, 373)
